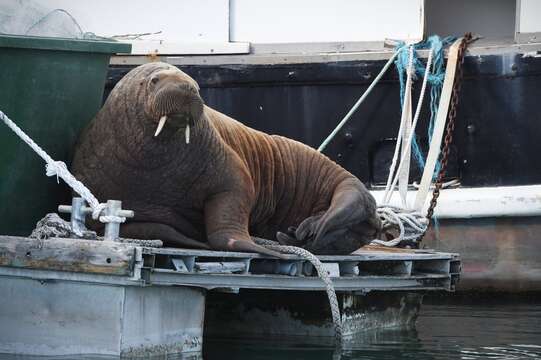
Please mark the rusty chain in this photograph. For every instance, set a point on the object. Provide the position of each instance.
(449, 130)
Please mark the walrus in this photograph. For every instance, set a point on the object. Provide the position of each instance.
(200, 179)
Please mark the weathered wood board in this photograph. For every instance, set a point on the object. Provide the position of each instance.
(74, 255)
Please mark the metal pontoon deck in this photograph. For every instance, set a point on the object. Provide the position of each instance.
(114, 298)
(368, 270)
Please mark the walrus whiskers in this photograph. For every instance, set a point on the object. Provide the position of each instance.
(160, 125)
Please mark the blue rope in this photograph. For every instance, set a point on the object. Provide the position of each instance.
(435, 79)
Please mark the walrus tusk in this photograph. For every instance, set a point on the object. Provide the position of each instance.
(160, 125)
(187, 133)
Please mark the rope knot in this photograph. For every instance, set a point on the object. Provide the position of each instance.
(411, 224)
(97, 210)
(97, 215)
(57, 168)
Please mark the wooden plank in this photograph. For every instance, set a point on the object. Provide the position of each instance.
(73, 255)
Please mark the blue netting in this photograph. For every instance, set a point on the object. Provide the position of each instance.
(435, 79)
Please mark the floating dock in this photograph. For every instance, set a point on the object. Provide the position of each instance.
(72, 296)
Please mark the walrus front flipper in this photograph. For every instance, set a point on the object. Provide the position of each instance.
(226, 222)
(166, 233)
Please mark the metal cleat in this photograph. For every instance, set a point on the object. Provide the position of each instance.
(114, 215)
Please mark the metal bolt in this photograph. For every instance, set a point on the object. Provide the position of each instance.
(349, 140)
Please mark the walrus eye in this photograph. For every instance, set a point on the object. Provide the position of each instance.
(154, 80)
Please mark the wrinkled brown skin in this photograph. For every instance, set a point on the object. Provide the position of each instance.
(228, 183)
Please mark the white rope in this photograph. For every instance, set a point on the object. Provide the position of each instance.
(60, 169)
(403, 172)
(389, 189)
(400, 129)
(357, 104)
(322, 273)
(411, 224)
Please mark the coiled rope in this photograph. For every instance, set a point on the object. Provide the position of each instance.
(410, 223)
(53, 225)
(60, 169)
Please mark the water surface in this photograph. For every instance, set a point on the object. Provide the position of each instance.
(510, 330)
(482, 329)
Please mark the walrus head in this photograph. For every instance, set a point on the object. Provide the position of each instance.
(173, 100)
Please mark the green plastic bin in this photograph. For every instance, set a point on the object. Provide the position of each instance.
(51, 88)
